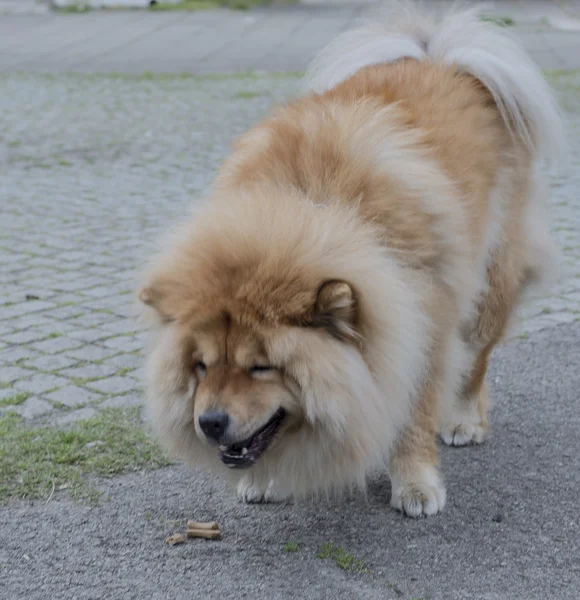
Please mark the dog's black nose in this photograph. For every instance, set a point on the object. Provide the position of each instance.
(214, 424)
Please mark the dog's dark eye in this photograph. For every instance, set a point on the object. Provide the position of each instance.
(200, 367)
(260, 369)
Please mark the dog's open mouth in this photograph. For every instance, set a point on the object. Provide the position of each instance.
(244, 454)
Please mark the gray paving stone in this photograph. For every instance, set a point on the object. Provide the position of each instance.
(114, 385)
(40, 383)
(90, 319)
(57, 344)
(122, 326)
(123, 343)
(51, 362)
(36, 320)
(23, 337)
(65, 312)
(124, 401)
(88, 335)
(33, 407)
(81, 414)
(125, 361)
(14, 354)
(90, 353)
(90, 371)
(9, 374)
(16, 310)
(73, 396)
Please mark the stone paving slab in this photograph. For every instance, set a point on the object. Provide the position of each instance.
(277, 38)
(92, 170)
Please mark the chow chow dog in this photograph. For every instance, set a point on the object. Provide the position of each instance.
(332, 307)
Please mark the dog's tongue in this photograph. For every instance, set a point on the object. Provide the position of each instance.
(243, 456)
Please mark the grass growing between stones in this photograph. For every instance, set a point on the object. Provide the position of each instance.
(343, 560)
(36, 461)
(206, 4)
(497, 20)
(17, 398)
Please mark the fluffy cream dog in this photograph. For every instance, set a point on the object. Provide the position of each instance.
(333, 306)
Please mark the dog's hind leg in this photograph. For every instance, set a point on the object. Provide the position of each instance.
(464, 415)
(525, 259)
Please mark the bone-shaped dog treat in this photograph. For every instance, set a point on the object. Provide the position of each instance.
(176, 538)
(195, 525)
(208, 534)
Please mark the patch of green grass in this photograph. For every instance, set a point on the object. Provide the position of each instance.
(124, 371)
(4, 385)
(61, 406)
(347, 562)
(207, 4)
(186, 5)
(64, 163)
(15, 399)
(546, 310)
(501, 21)
(14, 144)
(37, 460)
(73, 9)
(174, 77)
(53, 335)
(291, 547)
(247, 95)
(80, 381)
(524, 336)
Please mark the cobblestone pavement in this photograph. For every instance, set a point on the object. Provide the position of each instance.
(284, 37)
(92, 169)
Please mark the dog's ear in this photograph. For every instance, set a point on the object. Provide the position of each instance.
(335, 309)
(164, 297)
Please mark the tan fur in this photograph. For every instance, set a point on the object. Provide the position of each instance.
(346, 243)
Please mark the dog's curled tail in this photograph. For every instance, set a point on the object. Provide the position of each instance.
(462, 38)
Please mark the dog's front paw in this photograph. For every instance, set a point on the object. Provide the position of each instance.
(252, 492)
(420, 495)
(463, 434)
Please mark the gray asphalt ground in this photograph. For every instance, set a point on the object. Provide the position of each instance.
(510, 530)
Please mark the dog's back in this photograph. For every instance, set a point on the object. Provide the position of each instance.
(405, 182)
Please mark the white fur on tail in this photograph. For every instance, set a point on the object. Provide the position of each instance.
(484, 50)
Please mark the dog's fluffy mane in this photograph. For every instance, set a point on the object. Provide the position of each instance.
(263, 261)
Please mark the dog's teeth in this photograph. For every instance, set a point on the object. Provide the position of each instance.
(223, 448)
(244, 451)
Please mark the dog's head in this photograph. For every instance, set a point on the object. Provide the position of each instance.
(242, 373)
(262, 357)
